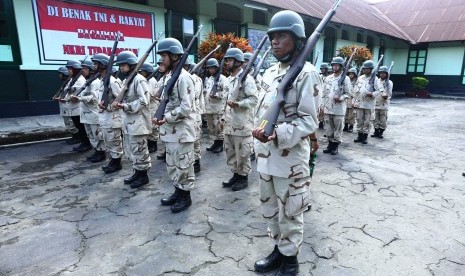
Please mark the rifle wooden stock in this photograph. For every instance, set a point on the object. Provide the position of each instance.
(260, 64)
(88, 82)
(271, 116)
(344, 73)
(371, 81)
(135, 71)
(60, 90)
(160, 113)
(106, 78)
(218, 74)
(204, 60)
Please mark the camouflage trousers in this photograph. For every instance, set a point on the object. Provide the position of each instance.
(161, 148)
(363, 120)
(180, 164)
(380, 120)
(215, 130)
(198, 135)
(113, 141)
(135, 148)
(321, 117)
(350, 116)
(154, 135)
(238, 150)
(70, 125)
(334, 125)
(95, 136)
(283, 202)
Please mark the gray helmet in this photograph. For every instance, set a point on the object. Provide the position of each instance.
(147, 67)
(337, 60)
(88, 63)
(235, 53)
(126, 57)
(324, 65)
(188, 62)
(171, 45)
(74, 64)
(63, 70)
(383, 69)
(369, 64)
(212, 62)
(287, 21)
(352, 70)
(248, 56)
(101, 58)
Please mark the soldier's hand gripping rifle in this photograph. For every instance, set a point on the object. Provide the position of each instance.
(260, 63)
(342, 77)
(218, 75)
(271, 116)
(88, 82)
(134, 72)
(106, 78)
(371, 81)
(160, 113)
(204, 60)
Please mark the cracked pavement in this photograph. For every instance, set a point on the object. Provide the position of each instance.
(393, 207)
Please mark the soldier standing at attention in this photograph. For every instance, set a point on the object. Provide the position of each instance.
(214, 105)
(72, 109)
(238, 120)
(282, 158)
(136, 120)
(63, 74)
(335, 105)
(177, 128)
(110, 120)
(350, 118)
(364, 102)
(324, 73)
(89, 99)
(384, 85)
(146, 70)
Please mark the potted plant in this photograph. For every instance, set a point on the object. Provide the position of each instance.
(419, 88)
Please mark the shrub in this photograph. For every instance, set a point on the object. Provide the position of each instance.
(419, 83)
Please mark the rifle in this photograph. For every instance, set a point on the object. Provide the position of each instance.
(344, 73)
(386, 83)
(204, 60)
(63, 85)
(371, 81)
(135, 71)
(88, 82)
(271, 116)
(106, 78)
(71, 82)
(218, 74)
(260, 63)
(316, 58)
(160, 113)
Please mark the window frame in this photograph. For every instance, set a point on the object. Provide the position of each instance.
(12, 39)
(413, 60)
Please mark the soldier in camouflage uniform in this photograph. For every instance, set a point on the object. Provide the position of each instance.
(214, 105)
(364, 102)
(89, 99)
(324, 73)
(384, 86)
(177, 128)
(238, 120)
(147, 71)
(109, 120)
(160, 76)
(334, 105)
(350, 118)
(136, 120)
(282, 158)
(63, 74)
(72, 109)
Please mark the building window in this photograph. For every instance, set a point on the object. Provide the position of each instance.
(359, 38)
(345, 35)
(228, 19)
(259, 17)
(182, 27)
(416, 61)
(9, 46)
(329, 46)
(370, 43)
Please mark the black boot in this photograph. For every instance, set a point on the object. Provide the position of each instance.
(329, 148)
(213, 146)
(380, 134)
(351, 128)
(376, 133)
(241, 183)
(197, 166)
(141, 179)
(321, 125)
(82, 148)
(290, 266)
(113, 166)
(98, 156)
(182, 202)
(359, 138)
(231, 181)
(334, 150)
(219, 147)
(172, 198)
(132, 177)
(346, 127)
(271, 262)
(152, 146)
(365, 137)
